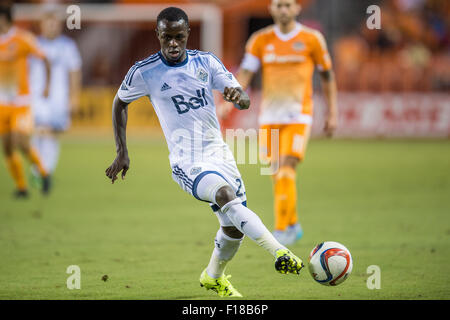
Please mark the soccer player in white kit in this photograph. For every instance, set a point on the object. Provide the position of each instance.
(52, 113)
(179, 84)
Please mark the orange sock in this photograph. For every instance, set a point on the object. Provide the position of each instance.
(34, 158)
(285, 198)
(16, 169)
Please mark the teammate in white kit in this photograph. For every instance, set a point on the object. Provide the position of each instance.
(179, 84)
(52, 113)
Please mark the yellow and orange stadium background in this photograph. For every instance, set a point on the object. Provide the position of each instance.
(392, 82)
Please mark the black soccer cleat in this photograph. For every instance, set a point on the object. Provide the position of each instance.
(286, 262)
(21, 194)
(46, 184)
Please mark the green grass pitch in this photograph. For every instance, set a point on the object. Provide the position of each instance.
(387, 201)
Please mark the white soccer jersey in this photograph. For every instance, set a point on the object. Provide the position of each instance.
(64, 57)
(182, 97)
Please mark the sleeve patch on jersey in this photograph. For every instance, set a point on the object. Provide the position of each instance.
(202, 75)
(250, 62)
(123, 87)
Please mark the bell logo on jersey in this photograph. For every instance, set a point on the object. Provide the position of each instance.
(183, 104)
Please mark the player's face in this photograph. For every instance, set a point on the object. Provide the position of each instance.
(284, 11)
(51, 26)
(4, 22)
(173, 36)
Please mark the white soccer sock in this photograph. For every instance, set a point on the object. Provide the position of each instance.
(224, 250)
(246, 221)
(48, 148)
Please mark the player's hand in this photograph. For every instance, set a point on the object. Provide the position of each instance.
(231, 94)
(236, 96)
(330, 125)
(121, 163)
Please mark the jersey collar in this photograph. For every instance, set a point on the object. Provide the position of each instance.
(170, 64)
(288, 36)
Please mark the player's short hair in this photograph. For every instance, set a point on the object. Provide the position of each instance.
(51, 11)
(172, 14)
(6, 10)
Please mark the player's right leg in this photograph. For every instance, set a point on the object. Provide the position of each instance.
(206, 183)
(293, 152)
(214, 187)
(46, 139)
(226, 244)
(291, 146)
(247, 222)
(13, 159)
(15, 165)
(34, 157)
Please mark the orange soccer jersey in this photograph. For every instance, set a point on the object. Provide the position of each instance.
(15, 48)
(288, 62)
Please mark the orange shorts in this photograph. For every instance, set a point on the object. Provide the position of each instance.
(15, 119)
(292, 140)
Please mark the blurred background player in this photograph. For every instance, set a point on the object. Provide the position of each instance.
(16, 122)
(287, 52)
(52, 113)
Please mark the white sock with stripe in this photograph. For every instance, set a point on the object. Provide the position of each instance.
(224, 250)
(248, 222)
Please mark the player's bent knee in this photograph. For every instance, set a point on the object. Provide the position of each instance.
(206, 184)
(232, 232)
(224, 195)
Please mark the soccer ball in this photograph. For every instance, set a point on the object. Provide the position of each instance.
(330, 263)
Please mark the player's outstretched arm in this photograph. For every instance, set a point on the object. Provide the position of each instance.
(237, 96)
(244, 77)
(330, 93)
(121, 162)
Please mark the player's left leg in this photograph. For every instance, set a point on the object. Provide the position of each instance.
(46, 142)
(228, 239)
(51, 122)
(22, 128)
(293, 142)
(247, 222)
(226, 243)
